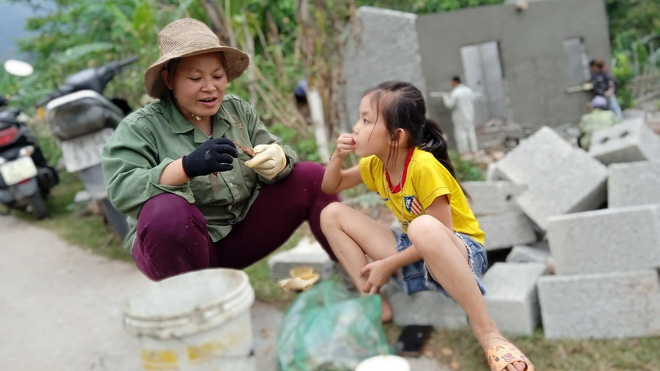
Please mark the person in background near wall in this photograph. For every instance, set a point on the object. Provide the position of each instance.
(610, 93)
(600, 82)
(461, 103)
(193, 199)
(599, 117)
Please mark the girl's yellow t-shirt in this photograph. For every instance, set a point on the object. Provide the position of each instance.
(424, 179)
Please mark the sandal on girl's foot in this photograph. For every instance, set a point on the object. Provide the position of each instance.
(502, 355)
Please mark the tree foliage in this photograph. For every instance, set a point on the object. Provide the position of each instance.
(288, 40)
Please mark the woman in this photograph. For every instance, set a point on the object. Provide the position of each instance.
(193, 199)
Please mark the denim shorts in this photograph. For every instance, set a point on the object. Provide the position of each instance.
(415, 277)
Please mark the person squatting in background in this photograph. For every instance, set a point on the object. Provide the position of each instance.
(604, 85)
(404, 159)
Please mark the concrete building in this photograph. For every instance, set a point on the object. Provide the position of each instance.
(521, 61)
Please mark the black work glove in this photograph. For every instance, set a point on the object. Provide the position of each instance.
(215, 154)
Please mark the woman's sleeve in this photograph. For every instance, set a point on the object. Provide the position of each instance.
(259, 134)
(132, 170)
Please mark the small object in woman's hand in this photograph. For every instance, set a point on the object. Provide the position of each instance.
(247, 150)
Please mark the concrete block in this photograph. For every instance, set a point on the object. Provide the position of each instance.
(631, 140)
(601, 305)
(561, 179)
(608, 240)
(633, 183)
(507, 229)
(493, 174)
(493, 197)
(511, 298)
(363, 59)
(424, 308)
(306, 253)
(528, 254)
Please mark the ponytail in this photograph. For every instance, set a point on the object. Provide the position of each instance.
(433, 141)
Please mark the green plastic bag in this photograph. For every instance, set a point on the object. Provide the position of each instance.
(327, 328)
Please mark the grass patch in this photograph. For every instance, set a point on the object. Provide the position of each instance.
(461, 350)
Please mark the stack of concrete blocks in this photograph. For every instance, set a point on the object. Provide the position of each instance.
(631, 140)
(606, 284)
(500, 217)
(606, 261)
(560, 178)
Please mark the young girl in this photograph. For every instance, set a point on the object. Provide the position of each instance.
(405, 159)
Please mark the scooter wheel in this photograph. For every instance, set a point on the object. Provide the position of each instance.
(38, 207)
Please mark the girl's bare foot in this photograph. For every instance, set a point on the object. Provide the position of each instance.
(386, 309)
(502, 355)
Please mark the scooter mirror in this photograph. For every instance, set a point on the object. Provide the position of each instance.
(18, 68)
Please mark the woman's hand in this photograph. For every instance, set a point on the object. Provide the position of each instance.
(345, 145)
(269, 160)
(215, 154)
(379, 273)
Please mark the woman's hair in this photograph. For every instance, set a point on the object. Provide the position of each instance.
(402, 106)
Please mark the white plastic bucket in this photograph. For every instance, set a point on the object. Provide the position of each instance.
(194, 321)
(384, 363)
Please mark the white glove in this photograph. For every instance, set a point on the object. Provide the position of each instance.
(269, 160)
(587, 86)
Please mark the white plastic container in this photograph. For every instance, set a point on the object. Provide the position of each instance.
(384, 363)
(196, 321)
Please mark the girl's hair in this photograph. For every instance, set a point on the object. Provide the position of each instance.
(402, 106)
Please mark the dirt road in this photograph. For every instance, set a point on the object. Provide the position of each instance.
(61, 306)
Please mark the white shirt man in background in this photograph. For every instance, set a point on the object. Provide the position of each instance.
(461, 102)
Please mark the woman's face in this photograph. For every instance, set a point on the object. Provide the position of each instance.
(199, 84)
(369, 132)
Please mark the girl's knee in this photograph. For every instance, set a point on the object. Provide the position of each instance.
(423, 225)
(427, 232)
(331, 214)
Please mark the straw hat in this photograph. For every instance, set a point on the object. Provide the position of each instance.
(184, 38)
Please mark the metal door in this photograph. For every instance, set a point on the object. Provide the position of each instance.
(483, 74)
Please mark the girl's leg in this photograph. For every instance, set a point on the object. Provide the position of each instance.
(351, 235)
(275, 215)
(445, 256)
(171, 245)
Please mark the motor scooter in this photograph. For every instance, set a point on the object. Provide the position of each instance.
(83, 120)
(25, 176)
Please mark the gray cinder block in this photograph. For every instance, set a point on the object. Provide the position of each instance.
(507, 229)
(608, 240)
(633, 183)
(363, 57)
(493, 197)
(528, 254)
(424, 308)
(306, 253)
(511, 299)
(561, 179)
(600, 306)
(631, 140)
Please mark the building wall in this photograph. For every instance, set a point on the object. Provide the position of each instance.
(532, 54)
(426, 51)
(387, 49)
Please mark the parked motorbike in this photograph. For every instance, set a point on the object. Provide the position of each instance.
(83, 120)
(25, 176)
